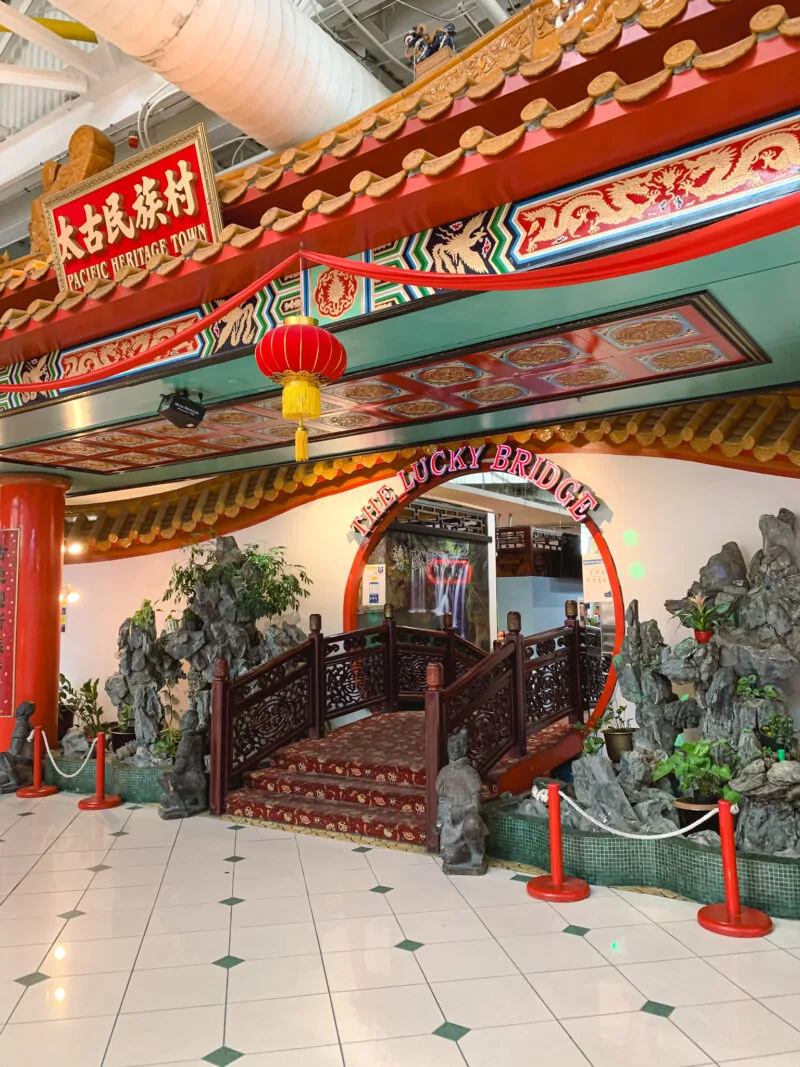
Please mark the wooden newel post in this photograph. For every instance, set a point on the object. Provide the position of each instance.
(572, 623)
(449, 649)
(316, 717)
(220, 738)
(513, 636)
(434, 743)
(391, 657)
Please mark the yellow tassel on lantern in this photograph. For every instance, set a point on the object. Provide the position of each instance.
(301, 444)
(301, 397)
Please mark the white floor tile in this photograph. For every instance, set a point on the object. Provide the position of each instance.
(428, 1051)
(594, 991)
(636, 944)
(435, 926)
(190, 918)
(182, 950)
(55, 881)
(661, 909)
(597, 912)
(189, 893)
(35, 931)
(444, 897)
(287, 976)
(34, 905)
(80, 1042)
(372, 1014)
(509, 1046)
(95, 926)
(138, 857)
(175, 987)
(272, 1025)
(117, 877)
(269, 912)
(785, 933)
(371, 968)
(681, 983)
(121, 899)
(269, 942)
(761, 974)
(787, 1007)
(254, 886)
(743, 1028)
(322, 1056)
(627, 1040)
(339, 935)
(551, 952)
(783, 1059)
(350, 905)
(10, 992)
(496, 889)
(704, 943)
(76, 997)
(516, 920)
(90, 957)
(165, 1036)
(449, 961)
(481, 1002)
(322, 882)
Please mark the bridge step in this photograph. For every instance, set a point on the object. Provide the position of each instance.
(364, 819)
(362, 791)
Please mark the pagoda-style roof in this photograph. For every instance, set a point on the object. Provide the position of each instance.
(527, 108)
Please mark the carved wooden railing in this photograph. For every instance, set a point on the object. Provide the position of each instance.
(294, 695)
(527, 683)
(595, 666)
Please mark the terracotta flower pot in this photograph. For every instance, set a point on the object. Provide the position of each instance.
(618, 741)
(689, 810)
(702, 637)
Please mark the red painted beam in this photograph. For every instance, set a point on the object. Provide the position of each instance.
(692, 107)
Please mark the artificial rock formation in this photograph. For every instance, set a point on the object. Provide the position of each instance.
(145, 667)
(185, 786)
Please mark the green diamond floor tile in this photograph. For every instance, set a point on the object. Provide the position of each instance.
(521, 878)
(121, 833)
(228, 961)
(233, 859)
(32, 979)
(579, 931)
(134, 807)
(22, 814)
(222, 1056)
(362, 848)
(451, 1031)
(232, 901)
(100, 867)
(653, 1007)
(71, 914)
(381, 889)
(409, 946)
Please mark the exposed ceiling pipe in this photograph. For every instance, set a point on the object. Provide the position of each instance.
(263, 66)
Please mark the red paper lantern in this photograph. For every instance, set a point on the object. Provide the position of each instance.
(301, 356)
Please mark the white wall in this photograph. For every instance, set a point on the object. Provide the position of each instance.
(682, 513)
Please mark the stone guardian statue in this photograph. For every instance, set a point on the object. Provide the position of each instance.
(16, 765)
(462, 831)
(185, 789)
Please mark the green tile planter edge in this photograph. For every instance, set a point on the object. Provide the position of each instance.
(695, 871)
(133, 784)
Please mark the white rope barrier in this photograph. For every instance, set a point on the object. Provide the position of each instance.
(55, 766)
(541, 795)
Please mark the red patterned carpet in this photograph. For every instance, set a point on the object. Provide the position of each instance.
(367, 778)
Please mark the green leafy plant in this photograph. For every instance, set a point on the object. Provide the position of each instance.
(697, 774)
(699, 615)
(125, 718)
(615, 719)
(263, 583)
(780, 729)
(592, 738)
(748, 688)
(167, 744)
(145, 617)
(83, 704)
(68, 699)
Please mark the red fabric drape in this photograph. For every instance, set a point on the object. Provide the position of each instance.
(764, 221)
(719, 236)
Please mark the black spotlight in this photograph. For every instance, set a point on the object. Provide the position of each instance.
(181, 410)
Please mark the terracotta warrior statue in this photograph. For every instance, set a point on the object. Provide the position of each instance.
(16, 765)
(462, 832)
(185, 785)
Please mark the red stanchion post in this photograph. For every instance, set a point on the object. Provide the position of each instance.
(730, 918)
(554, 886)
(99, 802)
(37, 789)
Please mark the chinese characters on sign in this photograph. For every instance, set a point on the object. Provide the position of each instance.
(539, 470)
(152, 204)
(9, 555)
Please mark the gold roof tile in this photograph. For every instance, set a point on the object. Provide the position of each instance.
(234, 192)
(537, 67)
(535, 110)
(247, 237)
(790, 28)
(680, 55)
(414, 159)
(768, 19)
(432, 168)
(604, 84)
(99, 288)
(389, 129)
(268, 180)
(557, 120)
(436, 109)
(337, 203)
(623, 10)
(204, 250)
(360, 181)
(306, 165)
(632, 94)
(272, 215)
(723, 57)
(495, 146)
(471, 138)
(659, 16)
(288, 222)
(596, 42)
(45, 309)
(331, 138)
(487, 86)
(376, 190)
(14, 317)
(130, 277)
(346, 148)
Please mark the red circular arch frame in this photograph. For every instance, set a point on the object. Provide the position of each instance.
(350, 606)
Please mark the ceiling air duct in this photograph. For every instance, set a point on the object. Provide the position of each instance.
(260, 64)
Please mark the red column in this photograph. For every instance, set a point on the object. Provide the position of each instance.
(34, 505)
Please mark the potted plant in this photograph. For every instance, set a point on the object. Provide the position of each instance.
(701, 781)
(124, 732)
(67, 705)
(87, 710)
(778, 733)
(167, 744)
(617, 732)
(701, 616)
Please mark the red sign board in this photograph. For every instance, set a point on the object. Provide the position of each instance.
(153, 203)
(9, 567)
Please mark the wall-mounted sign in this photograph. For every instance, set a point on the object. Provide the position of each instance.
(541, 471)
(9, 568)
(153, 203)
(373, 585)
